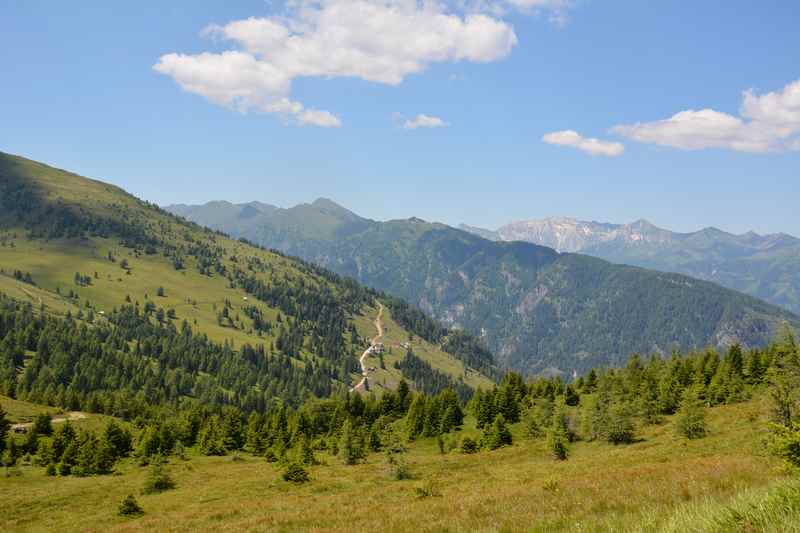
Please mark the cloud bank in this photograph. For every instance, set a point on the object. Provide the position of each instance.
(767, 123)
(591, 146)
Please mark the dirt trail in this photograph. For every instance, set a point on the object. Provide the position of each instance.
(379, 327)
(58, 419)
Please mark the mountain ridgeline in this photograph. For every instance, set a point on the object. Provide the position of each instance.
(538, 310)
(764, 266)
(138, 306)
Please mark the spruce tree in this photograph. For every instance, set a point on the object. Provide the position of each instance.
(42, 425)
(158, 479)
(620, 428)
(497, 435)
(690, 420)
(5, 425)
(415, 419)
(349, 452)
(129, 507)
(210, 438)
(557, 441)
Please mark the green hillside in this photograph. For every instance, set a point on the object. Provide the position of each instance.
(537, 310)
(661, 445)
(88, 249)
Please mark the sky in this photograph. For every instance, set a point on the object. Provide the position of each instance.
(475, 111)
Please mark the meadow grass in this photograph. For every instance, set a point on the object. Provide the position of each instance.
(661, 482)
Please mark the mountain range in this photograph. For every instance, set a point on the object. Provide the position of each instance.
(539, 310)
(764, 266)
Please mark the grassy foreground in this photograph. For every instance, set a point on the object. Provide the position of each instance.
(724, 482)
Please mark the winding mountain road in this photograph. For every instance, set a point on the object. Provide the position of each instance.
(364, 371)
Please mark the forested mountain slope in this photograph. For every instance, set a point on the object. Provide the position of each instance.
(140, 302)
(538, 310)
(764, 266)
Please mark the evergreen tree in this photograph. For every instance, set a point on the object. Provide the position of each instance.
(691, 417)
(42, 424)
(210, 438)
(415, 419)
(233, 429)
(158, 479)
(620, 427)
(129, 507)
(349, 451)
(497, 435)
(557, 441)
(5, 425)
(119, 439)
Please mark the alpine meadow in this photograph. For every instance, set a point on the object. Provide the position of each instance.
(343, 266)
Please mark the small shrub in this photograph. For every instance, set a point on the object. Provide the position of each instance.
(130, 507)
(399, 469)
(158, 480)
(468, 445)
(427, 490)
(295, 473)
(551, 485)
(270, 456)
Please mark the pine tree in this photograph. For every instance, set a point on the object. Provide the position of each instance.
(233, 429)
(5, 425)
(415, 419)
(349, 451)
(158, 479)
(210, 438)
(557, 441)
(42, 425)
(305, 452)
(620, 428)
(497, 435)
(691, 417)
(130, 507)
(119, 439)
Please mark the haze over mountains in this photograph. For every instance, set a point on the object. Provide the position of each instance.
(765, 266)
(539, 310)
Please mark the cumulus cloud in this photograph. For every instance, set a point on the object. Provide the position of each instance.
(767, 123)
(591, 146)
(424, 121)
(381, 41)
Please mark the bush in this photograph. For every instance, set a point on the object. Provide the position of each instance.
(399, 469)
(785, 443)
(468, 445)
(159, 479)
(130, 507)
(427, 490)
(295, 473)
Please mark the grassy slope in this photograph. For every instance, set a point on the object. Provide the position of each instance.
(21, 412)
(394, 336)
(656, 483)
(193, 296)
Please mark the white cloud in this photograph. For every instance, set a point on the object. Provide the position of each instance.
(766, 123)
(591, 146)
(381, 41)
(424, 121)
(557, 9)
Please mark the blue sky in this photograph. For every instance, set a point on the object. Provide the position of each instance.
(274, 110)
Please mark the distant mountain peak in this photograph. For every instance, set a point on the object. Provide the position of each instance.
(326, 203)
